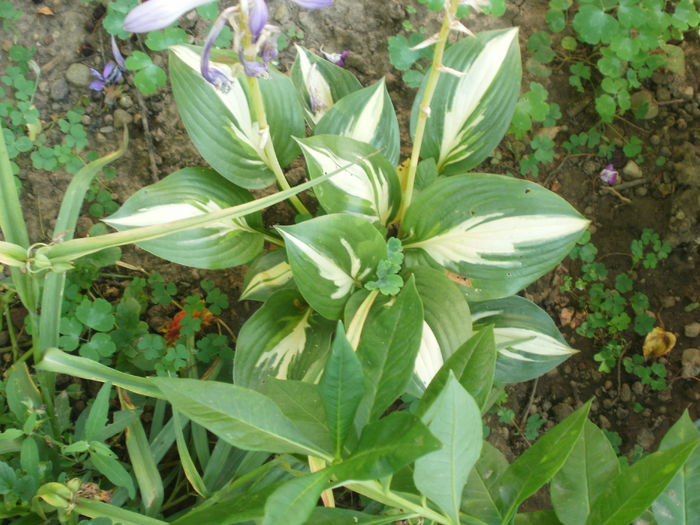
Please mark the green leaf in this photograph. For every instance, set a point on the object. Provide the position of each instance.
(330, 256)
(293, 502)
(446, 325)
(187, 193)
(342, 388)
(301, 403)
(492, 229)
(116, 13)
(605, 106)
(97, 417)
(538, 464)
(284, 339)
(586, 474)
(528, 342)
(541, 517)
(268, 273)
(95, 314)
(594, 25)
(21, 393)
(455, 419)
(473, 364)
(113, 470)
(387, 350)
(328, 83)
(221, 125)
(368, 186)
(636, 488)
(366, 115)
(470, 114)
(480, 496)
(242, 417)
(161, 40)
(386, 446)
(679, 503)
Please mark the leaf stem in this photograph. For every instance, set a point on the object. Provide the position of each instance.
(408, 182)
(269, 148)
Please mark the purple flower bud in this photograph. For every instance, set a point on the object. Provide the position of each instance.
(268, 47)
(257, 18)
(313, 4)
(337, 58)
(609, 175)
(157, 14)
(110, 75)
(117, 54)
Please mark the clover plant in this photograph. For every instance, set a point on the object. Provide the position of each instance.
(394, 278)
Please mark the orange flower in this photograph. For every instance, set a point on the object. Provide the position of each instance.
(172, 328)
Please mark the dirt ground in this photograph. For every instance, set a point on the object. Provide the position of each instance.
(666, 198)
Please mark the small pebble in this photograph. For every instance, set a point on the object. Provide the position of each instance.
(641, 191)
(645, 438)
(122, 118)
(638, 388)
(626, 393)
(604, 422)
(692, 329)
(126, 102)
(107, 129)
(668, 301)
(665, 395)
(632, 169)
(78, 75)
(691, 362)
(59, 89)
(561, 411)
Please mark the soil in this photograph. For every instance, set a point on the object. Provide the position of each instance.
(664, 198)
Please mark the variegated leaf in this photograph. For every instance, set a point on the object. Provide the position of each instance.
(284, 339)
(331, 256)
(446, 327)
(528, 342)
(366, 115)
(497, 234)
(188, 193)
(268, 273)
(368, 185)
(320, 83)
(222, 123)
(470, 113)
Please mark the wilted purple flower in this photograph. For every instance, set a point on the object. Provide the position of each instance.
(212, 74)
(252, 68)
(110, 75)
(157, 14)
(337, 58)
(609, 175)
(313, 4)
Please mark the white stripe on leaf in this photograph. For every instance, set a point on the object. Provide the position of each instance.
(364, 126)
(281, 356)
(518, 343)
(478, 238)
(429, 360)
(273, 277)
(327, 268)
(470, 89)
(316, 86)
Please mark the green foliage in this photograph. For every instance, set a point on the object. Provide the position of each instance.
(388, 282)
(149, 77)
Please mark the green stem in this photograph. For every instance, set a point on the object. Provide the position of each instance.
(12, 334)
(375, 490)
(269, 149)
(424, 110)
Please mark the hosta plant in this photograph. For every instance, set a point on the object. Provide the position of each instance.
(395, 280)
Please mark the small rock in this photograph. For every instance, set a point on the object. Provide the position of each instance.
(626, 393)
(78, 75)
(562, 410)
(638, 388)
(643, 102)
(665, 395)
(604, 422)
(645, 438)
(691, 362)
(641, 191)
(655, 140)
(663, 94)
(107, 129)
(668, 301)
(86, 120)
(632, 169)
(59, 89)
(608, 385)
(687, 92)
(122, 118)
(692, 329)
(126, 102)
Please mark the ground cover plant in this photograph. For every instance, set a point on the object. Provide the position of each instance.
(396, 281)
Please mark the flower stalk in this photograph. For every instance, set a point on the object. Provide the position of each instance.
(408, 183)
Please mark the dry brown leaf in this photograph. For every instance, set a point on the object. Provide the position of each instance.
(47, 11)
(658, 342)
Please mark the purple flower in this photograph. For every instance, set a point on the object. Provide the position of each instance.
(110, 75)
(609, 175)
(157, 14)
(337, 58)
(257, 18)
(212, 74)
(117, 54)
(253, 69)
(313, 4)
